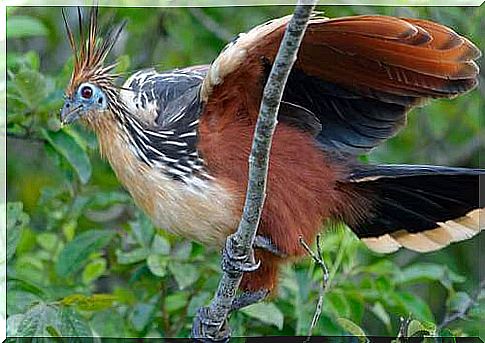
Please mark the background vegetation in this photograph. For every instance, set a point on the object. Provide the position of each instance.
(83, 260)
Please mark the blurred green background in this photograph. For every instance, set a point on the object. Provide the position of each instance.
(83, 261)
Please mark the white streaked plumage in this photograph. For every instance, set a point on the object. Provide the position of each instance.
(163, 119)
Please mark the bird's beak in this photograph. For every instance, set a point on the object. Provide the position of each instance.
(70, 112)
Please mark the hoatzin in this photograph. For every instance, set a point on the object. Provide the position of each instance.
(179, 140)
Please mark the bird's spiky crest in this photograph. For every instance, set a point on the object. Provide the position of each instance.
(91, 51)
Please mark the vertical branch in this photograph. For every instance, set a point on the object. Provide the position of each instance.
(240, 244)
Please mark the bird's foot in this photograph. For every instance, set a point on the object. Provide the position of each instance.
(265, 243)
(248, 298)
(234, 262)
(207, 330)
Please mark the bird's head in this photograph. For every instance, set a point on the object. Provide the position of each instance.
(91, 88)
(87, 99)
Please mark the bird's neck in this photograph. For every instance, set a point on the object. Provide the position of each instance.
(204, 211)
(106, 128)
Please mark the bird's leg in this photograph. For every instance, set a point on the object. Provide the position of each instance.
(202, 321)
(265, 243)
(223, 332)
(232, 262)
(248, 298)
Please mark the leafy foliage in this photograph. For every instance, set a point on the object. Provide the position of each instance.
(82, 259)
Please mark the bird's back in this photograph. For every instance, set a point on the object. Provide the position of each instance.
(165, 98)
(164, 115)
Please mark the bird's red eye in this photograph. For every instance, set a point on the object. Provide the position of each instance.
(86, 92)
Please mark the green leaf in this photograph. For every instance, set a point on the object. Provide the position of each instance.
(411, 303)
(107, 324)
(72, 324)
(29, 267)
(338, 303)
(52, 331)
(356, 305)
(69, 230)
(67, 146)
(176, 301)
(143, 313)
(427, 271)
(93, 302)
(420, 329)
(447, 333)
(142, 229)
(47, 241)
(93, 270)
(327, 326)
(104, 200)
(184, 274)
(25, 26)
(21, 295)
(16, 221)
(35, 320)
(76, 253)
(29, 87)
(381, 267)
(18, 284)
(45, 319)
(32, 59)
(267, 313)
(133, 256)
(157, 264)
(18, 301)
(182, 251)
(381, 313)
(352, 328)
(160, 245)
(430, 327)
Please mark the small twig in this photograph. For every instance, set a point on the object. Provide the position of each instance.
(449, 318)
(323, 286)
(403, 328)
(317, 258)
(211, 25)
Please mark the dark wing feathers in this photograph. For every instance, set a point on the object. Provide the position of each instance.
(299, 117)
(411, 207)
(358, 75)
(349, 122)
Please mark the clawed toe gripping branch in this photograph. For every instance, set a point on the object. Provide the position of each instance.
(235, 260)
(210, 323)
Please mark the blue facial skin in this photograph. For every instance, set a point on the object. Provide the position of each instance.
(87, 98)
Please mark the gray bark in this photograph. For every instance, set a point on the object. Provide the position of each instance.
(241, 242)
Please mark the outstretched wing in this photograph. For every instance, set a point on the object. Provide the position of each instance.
(355, 77)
